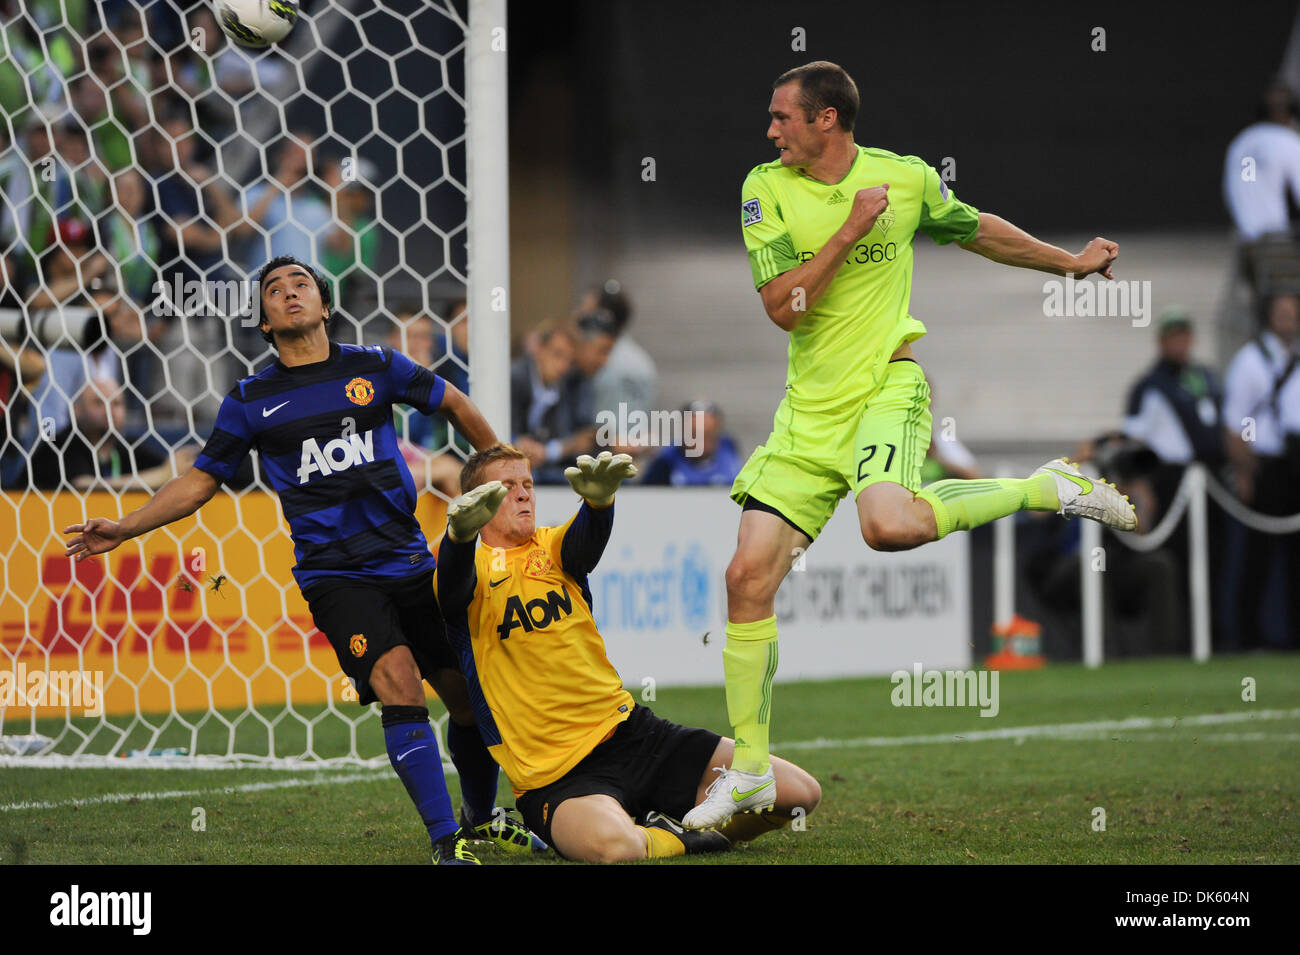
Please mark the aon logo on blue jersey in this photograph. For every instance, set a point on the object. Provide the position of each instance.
(538, 614)
(337, 455)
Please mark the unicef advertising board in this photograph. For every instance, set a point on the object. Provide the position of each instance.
(660, 597)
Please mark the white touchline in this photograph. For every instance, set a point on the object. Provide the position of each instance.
(180, 793)
(1054, 731)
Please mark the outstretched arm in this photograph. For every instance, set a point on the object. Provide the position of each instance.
(596, 480)
(179, 497)
(1003, 242)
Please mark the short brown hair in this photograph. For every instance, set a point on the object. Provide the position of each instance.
(549, 328)
(824, 85)
(471, 475)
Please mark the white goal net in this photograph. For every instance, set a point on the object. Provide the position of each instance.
(148, 168)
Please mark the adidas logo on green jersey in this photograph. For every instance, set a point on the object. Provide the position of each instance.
(836, 198)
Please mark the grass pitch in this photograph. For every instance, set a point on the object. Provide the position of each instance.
(1184, 770)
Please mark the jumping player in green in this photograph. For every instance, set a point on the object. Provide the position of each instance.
(829, 228)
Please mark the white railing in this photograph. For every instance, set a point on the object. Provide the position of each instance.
(1190, 501)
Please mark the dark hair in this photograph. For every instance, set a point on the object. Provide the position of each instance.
(326, 296)
(824, 85)
(614, 300)
(594, 324)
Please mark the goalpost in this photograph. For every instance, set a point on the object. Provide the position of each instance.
(191, 646)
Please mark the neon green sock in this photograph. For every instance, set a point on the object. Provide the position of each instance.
(749, 664)
(964, 505)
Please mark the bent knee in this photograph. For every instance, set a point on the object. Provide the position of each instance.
(888, 533)
(610, 846)
(796, 789)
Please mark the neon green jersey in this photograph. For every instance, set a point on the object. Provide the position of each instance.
(839, 349)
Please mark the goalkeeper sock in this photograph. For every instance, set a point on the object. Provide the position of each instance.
(965, 505)
(661, 844)
(749, 664)
(413, 751)
(478, 772)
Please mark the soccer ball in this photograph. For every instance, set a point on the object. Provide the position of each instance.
(256, 23)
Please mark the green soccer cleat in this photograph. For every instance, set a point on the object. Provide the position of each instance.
(503, 830)
(453, 850)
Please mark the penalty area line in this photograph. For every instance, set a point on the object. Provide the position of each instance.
(182, 793)
(1053, 731)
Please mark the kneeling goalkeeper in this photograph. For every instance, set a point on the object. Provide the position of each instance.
(595, 775)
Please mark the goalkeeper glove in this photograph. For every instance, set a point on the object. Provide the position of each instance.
(470, 512)
(596, 479)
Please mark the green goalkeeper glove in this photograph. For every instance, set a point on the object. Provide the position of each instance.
(596, 479)
(470, 512)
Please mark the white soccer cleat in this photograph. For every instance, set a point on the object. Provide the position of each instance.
(1093, 498)
(473, 510)
(732, 792)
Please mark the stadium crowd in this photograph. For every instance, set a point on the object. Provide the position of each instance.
(112, 218)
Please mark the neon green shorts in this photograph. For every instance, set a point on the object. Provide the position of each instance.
(812, 459)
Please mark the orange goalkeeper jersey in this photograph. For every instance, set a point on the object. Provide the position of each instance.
(543, 690)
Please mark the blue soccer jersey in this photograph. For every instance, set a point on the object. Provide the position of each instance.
(325, 435)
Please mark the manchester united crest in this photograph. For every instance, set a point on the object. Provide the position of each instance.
(537, 563)
(360, 391)
(357, 644)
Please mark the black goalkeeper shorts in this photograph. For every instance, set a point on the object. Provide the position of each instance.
(648, 764)
(365, 618)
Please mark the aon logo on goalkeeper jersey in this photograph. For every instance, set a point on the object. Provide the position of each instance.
(538, 614)
(336, 455)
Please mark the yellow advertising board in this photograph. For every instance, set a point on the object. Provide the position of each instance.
(203, 614)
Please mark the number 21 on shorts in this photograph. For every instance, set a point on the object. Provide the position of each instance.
(871, 453)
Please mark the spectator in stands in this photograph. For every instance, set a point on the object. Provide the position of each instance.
(108, 115)
(594, 340)
(629, 375)
(93, 456)
(197, 206)
(452, 346)
(709, 458)
(422, 439)
(1262, 169)
(1174, 409)
(128, 234)
(352, 239)
(291, 215)
(21, 369)
(80, 183)
(70, 367)
(1260, 376)
(451, 361)
(33, 69)
(28, 198)
(69, 264)
(550, 420)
